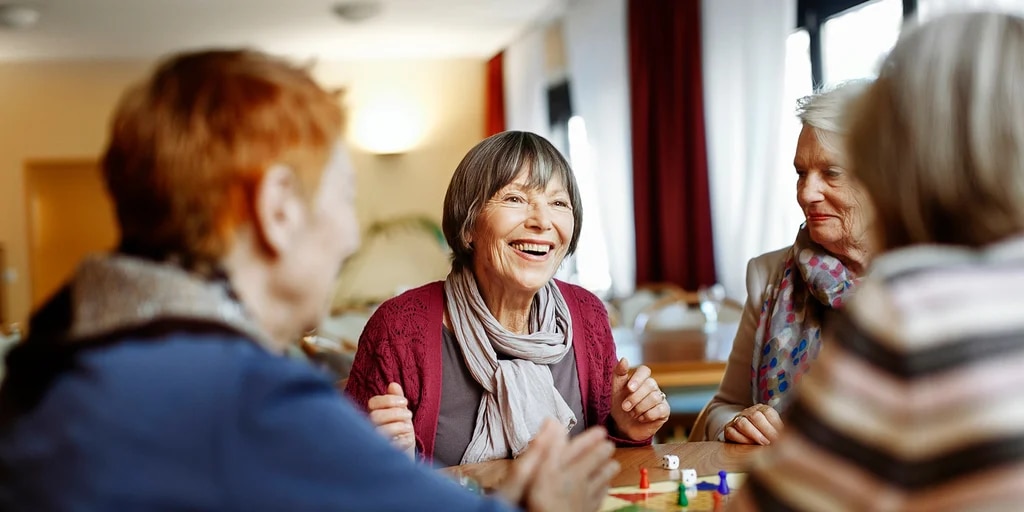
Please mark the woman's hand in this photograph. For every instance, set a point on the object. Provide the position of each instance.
(639, 407)
(558, 474)
(391, 414)
(757, 424)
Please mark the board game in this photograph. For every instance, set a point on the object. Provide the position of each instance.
(664, 496)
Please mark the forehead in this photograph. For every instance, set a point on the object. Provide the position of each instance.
(527, 179)
(810, 152)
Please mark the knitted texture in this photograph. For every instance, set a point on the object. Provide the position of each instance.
(402, 343)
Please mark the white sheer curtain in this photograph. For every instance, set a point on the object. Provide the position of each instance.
(526, 104)
(928, 9)
(597, 54)
(753, 198)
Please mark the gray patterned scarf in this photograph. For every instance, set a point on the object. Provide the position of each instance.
(518, 392)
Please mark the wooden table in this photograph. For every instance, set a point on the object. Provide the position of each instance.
(708, 458)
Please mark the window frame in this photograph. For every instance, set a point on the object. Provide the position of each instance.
(811, 15)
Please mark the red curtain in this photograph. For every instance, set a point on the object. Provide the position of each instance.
(495, 94)
(672, 201)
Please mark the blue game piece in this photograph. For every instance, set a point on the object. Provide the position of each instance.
(723, 483)
(706, 486)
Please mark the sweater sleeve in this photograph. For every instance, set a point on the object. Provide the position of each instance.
(734, 393)
(601, 352)
(396, 347)
(295, 445)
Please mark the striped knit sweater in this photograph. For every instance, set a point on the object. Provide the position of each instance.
(917, 400)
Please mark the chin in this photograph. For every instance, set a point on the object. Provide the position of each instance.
(534, 282)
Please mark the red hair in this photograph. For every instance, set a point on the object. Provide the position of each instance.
(188, 147)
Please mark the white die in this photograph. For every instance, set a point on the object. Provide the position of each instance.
(670, 461)
(689, 477)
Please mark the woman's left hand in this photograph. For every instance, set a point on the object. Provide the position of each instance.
(639, 408)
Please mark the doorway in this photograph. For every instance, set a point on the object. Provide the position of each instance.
(70, 215)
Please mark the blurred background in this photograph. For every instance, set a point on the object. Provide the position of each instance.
(677, 115)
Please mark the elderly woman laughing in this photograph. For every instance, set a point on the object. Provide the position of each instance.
(465, 370)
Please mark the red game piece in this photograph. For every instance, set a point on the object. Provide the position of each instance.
(718, 499)
(644, 483)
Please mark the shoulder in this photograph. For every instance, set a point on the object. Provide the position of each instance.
(765, 269)
(412, 303)
(409, 313)
(209, 356)
(579, 295)
(770, 261)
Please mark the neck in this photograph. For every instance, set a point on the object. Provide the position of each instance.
(251, 284)
(511, 308)
(854, 258)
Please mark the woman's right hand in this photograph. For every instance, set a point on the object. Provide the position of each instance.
(559, 474)
(757, 424)
(391, 414)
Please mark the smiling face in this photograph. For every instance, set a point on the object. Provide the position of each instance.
(831, 200)
(522, 234)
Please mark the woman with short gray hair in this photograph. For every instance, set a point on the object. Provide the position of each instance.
(464, 370)
(790, 290)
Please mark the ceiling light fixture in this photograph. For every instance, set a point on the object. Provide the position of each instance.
(356, 11)
(17, 16)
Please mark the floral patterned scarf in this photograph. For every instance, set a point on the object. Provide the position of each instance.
(788, 334)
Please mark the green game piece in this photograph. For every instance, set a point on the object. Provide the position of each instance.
(683, 502)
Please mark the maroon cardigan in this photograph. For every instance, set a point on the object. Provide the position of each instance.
(402, 343)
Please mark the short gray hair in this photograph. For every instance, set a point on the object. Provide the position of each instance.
(825, 113)
(487, 168)
(938, 140)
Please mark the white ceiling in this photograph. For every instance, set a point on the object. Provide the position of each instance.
(134, 29)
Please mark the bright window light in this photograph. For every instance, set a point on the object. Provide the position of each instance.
(591, 252)
(855, 42)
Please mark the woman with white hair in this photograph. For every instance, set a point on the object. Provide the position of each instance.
(791, 289)
(915, 403)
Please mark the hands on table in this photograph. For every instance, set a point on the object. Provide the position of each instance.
(757, 424)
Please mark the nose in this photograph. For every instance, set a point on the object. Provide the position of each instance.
(809, 190)
(539, 217)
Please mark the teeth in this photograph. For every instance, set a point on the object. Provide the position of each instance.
(539, 248)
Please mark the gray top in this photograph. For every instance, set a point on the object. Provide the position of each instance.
(460, 399)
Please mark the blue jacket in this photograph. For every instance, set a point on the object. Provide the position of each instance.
(185, 419)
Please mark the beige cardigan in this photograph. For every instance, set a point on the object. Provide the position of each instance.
(735, 393)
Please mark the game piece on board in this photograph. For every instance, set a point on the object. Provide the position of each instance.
(706, 486)
(690, 477)
(644, 482)
(723, 483)
(718, 499)
(683, 502)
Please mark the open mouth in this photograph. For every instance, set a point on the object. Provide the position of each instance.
(531, 248)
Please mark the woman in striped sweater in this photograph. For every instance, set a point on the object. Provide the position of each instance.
(915, 402)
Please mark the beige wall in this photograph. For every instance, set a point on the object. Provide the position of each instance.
(60, 110)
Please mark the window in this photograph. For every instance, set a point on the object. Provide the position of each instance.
(849, 38)
(589, 266)
(855, 42)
